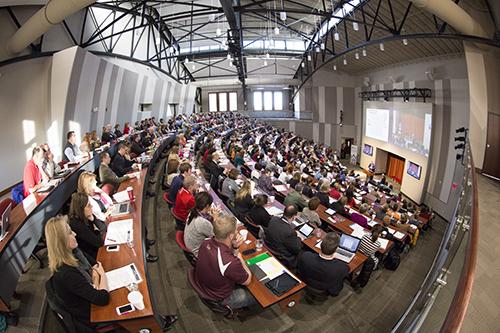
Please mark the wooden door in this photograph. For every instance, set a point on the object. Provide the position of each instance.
(491, 165)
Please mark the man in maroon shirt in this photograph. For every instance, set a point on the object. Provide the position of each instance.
(185, 198)
(34, 178)
(220, 268)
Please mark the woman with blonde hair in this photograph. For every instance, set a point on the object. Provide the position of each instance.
(85, 146)
(172, 171)
(77, 279)
(94, 139)
(102, 205)
(127, 129)
(243, 198)
(322, 194)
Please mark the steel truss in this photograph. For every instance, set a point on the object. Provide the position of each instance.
(395, 93)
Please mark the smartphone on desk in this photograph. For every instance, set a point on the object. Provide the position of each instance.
(113, 248)
(247, 252)
(127, 308)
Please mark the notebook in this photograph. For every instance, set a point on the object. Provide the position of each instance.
(347, 248)
(5, 222)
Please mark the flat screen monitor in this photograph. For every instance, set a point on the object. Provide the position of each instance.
(414, 170)
(367, 149)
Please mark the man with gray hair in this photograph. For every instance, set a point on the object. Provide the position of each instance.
(295, 198)
(324, 272)
(220, 269)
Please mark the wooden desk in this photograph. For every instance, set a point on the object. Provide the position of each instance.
(137, 319)
(287, 301)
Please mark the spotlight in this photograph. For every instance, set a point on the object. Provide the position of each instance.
(334, 67)
(364, 53)
(322, 46)
(345, 61)
(405, 41)
(460, 146)
(356, 55)
(336, 36)
(407, 99)
(355, 26)
(382, 47)
(460, 138)
(303, 65)
(309, 57)
(460, 130)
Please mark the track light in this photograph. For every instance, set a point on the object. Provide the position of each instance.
(303, 64)
(309, 57)
(386, 99)
(186, 61)
(265, 62)
(382, 46)
(459, 156)
(334, 67)
(317, 49)
(322, 46)
(336, 36)
(345, 61)
(355, 26)
(267, 55)
(229, 56)
(364, 53)
(356, 55)
(405, 41)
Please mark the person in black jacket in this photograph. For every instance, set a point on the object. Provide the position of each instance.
(107, 136)
(324, 272)
(243, 199)
(137, 147)
(120, 164)
(87, 227)
(215, 171)
(258, 214)
(118, 133)
(282, 240)
(77, 279)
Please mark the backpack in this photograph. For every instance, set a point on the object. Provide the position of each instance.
(414, 238)
(392, 261)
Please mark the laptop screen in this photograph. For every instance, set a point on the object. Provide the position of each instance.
(349, 243)
(6, 219)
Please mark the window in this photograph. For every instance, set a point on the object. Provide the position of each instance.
(233, 101)
(268, 100)
(212, 102)
(278, 100)
(257, 100)
(220, 101)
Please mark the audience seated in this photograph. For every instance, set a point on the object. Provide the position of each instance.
(34, 177)
(221, 271)
(256, 172)
(295, 179)
(85, 146)
(323, 271)
(107, 175)
(369, 244)
(243, 198)
(335, 191)
(120, 164)
(258, 214)
(309, 212)
(307, 190)
(294, 198)
(265, 183)
(215, 170)
(185, 199)
(282, 240)
(172, 171)
(102, 205)
(382, 213)
(71, 151)
(48, 165)
(77, 278)
(87, 227)
(229, 186)
(137, 147)
(199, 223)
(322, 194)
(359, 218)
(175, 187)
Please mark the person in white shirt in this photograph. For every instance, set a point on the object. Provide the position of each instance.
(71, 152)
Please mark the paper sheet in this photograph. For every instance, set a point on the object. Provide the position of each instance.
(121, 196)
(399, 235)
(273, 210)
(383, 243)
(280, 188)
(118, 232)
(122, 276)
(392, 231)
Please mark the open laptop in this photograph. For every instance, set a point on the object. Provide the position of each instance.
(306, 230)
(347, 248)
(121, 208)
(61, 174)
(5, 222)
(298, 221)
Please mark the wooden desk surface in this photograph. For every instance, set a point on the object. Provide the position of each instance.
(263, 296)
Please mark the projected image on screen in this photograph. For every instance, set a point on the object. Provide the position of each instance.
(412, 130)
(367, 149)
(377, 124)
(414, 170)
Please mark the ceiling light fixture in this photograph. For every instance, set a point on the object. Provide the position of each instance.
(265, 62)
(356, 55)
(382, 46)
(308, 57)
(317, 49)
(355, 26)
(303, 64)
(276, 31)
(334, 67)
(229, 56)
(218, 32)
(283, 16)
(336, 36)
(345, 61)
(405, 41)
(322, 46)
(364, 53)
(186, 61)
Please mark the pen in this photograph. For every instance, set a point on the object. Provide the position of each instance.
(132, 267)
(111, 240)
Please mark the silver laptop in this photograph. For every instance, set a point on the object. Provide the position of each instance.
(347, 248)
(5, 222)
(298, 221)
(121, 208)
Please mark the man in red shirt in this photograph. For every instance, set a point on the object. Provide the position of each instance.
(34, 178)
(220, 267)
(185, 198)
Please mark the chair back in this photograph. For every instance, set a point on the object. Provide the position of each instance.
(181, 225)
(222, 196)
(133, 155)
(233, 209)
(217, 307)
(5, 203)
(18, 193)
(62, 163)
(252, 227)
(179, 237)
(167, 199)
(108, 189)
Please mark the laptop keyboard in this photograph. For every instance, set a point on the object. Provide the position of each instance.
(344, 253)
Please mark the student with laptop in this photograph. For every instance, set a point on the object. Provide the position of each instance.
(107, 175)
(282, 240)
(369, 244)
(324, 271)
